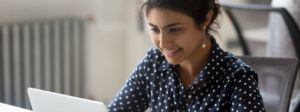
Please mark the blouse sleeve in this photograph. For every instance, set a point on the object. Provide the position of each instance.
(133, 95)
(246, 96)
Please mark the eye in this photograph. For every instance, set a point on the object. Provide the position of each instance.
(174, 30)
(154, 30)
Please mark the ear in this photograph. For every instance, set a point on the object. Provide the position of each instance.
(207, 19)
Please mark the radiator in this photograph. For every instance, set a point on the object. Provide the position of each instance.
(45, 54)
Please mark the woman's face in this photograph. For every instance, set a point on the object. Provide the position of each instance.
(175, 34)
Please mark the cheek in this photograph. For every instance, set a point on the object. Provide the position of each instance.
(154, 40)
(185, 40)
(189, 41)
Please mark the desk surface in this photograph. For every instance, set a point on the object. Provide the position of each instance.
(10, 108)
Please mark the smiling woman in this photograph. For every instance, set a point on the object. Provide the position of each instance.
(187, 71)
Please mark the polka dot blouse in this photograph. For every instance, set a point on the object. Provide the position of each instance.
(225, 84)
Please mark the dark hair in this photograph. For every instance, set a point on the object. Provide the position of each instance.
(197, 9)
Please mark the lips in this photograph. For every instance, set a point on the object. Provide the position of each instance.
(171, 52)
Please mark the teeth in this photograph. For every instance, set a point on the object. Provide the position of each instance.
(169, 51)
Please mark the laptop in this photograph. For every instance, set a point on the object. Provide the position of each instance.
(45, 101)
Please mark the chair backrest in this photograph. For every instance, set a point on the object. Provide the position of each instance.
(276, 80)
(233, 10)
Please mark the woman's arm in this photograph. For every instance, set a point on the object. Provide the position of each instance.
(246, 96)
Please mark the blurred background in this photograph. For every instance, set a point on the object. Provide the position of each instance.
(88, 48)
(107, 37)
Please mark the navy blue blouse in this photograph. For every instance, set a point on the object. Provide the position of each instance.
(225, 84)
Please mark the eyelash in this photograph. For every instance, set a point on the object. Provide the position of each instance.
(156, 30)
(172, 30)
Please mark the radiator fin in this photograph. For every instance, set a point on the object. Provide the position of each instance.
(46, 54)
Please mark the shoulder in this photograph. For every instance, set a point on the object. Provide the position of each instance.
(154, 54)
(146, 66)
(239, 69)
(152, 60)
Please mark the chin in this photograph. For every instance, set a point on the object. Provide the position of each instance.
(173, 62)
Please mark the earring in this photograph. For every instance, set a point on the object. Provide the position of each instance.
(203, 45)
(204, 28)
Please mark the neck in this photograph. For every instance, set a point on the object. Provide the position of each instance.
(192, 67)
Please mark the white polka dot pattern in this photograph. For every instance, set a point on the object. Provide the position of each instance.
(225, 84)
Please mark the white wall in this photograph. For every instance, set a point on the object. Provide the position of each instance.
(138, 42)
(114, 45)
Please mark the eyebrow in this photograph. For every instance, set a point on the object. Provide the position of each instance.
(169, 25)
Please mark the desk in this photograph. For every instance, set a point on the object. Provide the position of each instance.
(10, 108)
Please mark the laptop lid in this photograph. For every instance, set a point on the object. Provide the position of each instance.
(45, 101)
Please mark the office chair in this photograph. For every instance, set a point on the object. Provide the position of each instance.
(230, 7)
(276, 80)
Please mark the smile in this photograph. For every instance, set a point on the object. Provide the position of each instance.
(171, 52)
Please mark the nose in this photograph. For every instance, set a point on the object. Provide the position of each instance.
(164, 41)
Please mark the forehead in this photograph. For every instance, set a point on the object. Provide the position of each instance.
(162, 17)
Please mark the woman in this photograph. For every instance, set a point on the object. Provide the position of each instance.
(187, 71)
